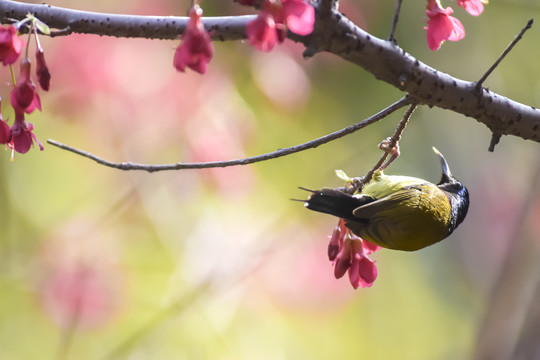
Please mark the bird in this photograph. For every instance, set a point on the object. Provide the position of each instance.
(398, 212)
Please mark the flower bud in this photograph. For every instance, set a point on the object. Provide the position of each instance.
(42, 71)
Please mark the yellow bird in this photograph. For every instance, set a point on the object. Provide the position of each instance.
(399, 212)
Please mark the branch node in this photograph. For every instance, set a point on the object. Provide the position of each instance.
(495, 137)
(310, 52)
(62, 32)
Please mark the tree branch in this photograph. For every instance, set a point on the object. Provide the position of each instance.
(250, 160)
(138, 26)
(333, 33)
(426, 85)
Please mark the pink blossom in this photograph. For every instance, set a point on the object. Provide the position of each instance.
(299, 16)
(261, 32)
(22, 137)
(442, 26)
(24, 96)
(196, 48)
(270, 26)
(473, 7)
(42, 71)
(10, 45)
(350, 253)
(363, 271)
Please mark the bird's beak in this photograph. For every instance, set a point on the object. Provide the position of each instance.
(444, 164)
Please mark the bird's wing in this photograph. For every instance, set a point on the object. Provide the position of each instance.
(393, 205)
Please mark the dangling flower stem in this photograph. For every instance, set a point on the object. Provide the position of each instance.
(29, 38)
(13, 80)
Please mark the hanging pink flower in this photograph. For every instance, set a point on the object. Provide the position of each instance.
(270, 26)
(350, 254)
(261, 32)
(442, 26)
(473, 7)
(196, 48)
(10, 45)
(22, 137)
(24, 96)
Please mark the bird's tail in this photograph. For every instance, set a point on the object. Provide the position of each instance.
(335, 203)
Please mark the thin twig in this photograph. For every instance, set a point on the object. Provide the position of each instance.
(503, 55)
(358, 183)
(250, 160)
(394, 23)
(401, 126)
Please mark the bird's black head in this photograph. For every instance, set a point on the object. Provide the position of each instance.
(457, 194)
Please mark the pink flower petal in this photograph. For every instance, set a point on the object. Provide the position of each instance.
(261, 32)
(442, 27)
(10, 45)
(369, 247)
(300, 16)
(22, 142)
(473, 7)
(362, 273)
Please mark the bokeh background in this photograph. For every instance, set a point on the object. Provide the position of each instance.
(97, 263)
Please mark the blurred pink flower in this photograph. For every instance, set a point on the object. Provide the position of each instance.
(79, 285)
(473, 7)
(42, 71)
(270, 26)
(77, 294)
(350, 253)
(10, 45)
(442, 26)
(24, 96)
(196, 48)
